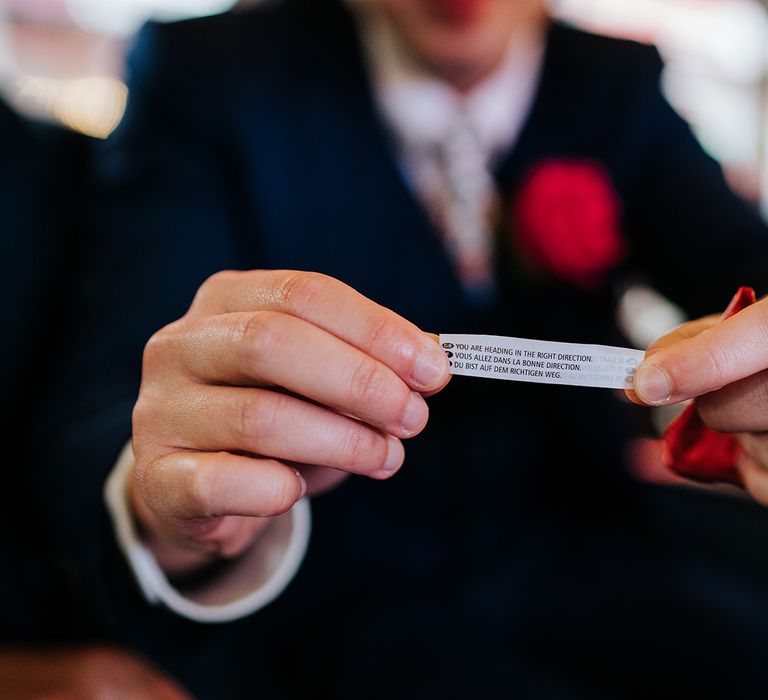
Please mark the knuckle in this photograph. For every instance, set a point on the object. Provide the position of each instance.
(715, 360)
(299, 291)
(710, 410)
(202, 488)
(150, 423)
(213, 286)
(257, 417)
(284, 493)
(155, 349)
(155, 406)
(380, 331)
(368, 384)
(142, 474)
(259, 335)
(360, 449)
(142, 413)
(162, 348)
(354, 446)
(148, 481)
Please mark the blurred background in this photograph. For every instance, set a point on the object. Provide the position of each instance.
(61, 60)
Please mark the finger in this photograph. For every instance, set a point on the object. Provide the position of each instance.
(740, 407)
(276, 349)
(755, 446)
(755, 479)
(682, 332)
(432, 392)
(338, 309)
(320, 479)
(225, 537)
(184, 486)
(729, 351)
(268, 423)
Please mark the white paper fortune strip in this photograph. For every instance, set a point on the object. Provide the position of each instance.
(541, 361)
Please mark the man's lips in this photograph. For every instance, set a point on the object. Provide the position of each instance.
(455, 11)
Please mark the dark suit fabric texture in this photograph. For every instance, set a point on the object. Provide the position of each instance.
(43, 172)
(512, 554)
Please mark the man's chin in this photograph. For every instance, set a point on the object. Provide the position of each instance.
(464, 68)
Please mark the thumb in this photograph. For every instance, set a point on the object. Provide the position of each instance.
(727, 352)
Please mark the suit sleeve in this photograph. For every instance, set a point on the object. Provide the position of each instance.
(695, 238)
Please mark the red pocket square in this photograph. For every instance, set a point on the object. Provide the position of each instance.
(697, 452)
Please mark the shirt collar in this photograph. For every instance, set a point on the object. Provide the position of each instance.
(421, 109)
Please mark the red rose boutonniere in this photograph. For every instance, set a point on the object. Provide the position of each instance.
(566, 222)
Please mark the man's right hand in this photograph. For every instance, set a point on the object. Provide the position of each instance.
(273, 385)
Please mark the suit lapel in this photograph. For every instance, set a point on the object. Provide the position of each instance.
(324, 187)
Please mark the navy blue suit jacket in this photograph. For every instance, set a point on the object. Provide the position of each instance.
(512, 552)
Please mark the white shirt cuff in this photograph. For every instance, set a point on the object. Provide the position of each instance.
(250, 583)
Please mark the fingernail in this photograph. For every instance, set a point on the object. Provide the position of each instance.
(652, 384)
(302, 484)
(415, 414)
(395, 453)
(431, 367)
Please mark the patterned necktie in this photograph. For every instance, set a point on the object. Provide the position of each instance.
(467, 199)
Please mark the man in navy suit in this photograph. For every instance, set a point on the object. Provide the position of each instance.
(511, 552)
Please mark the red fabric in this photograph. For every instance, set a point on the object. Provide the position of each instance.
(567, 221)
(697, 452)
